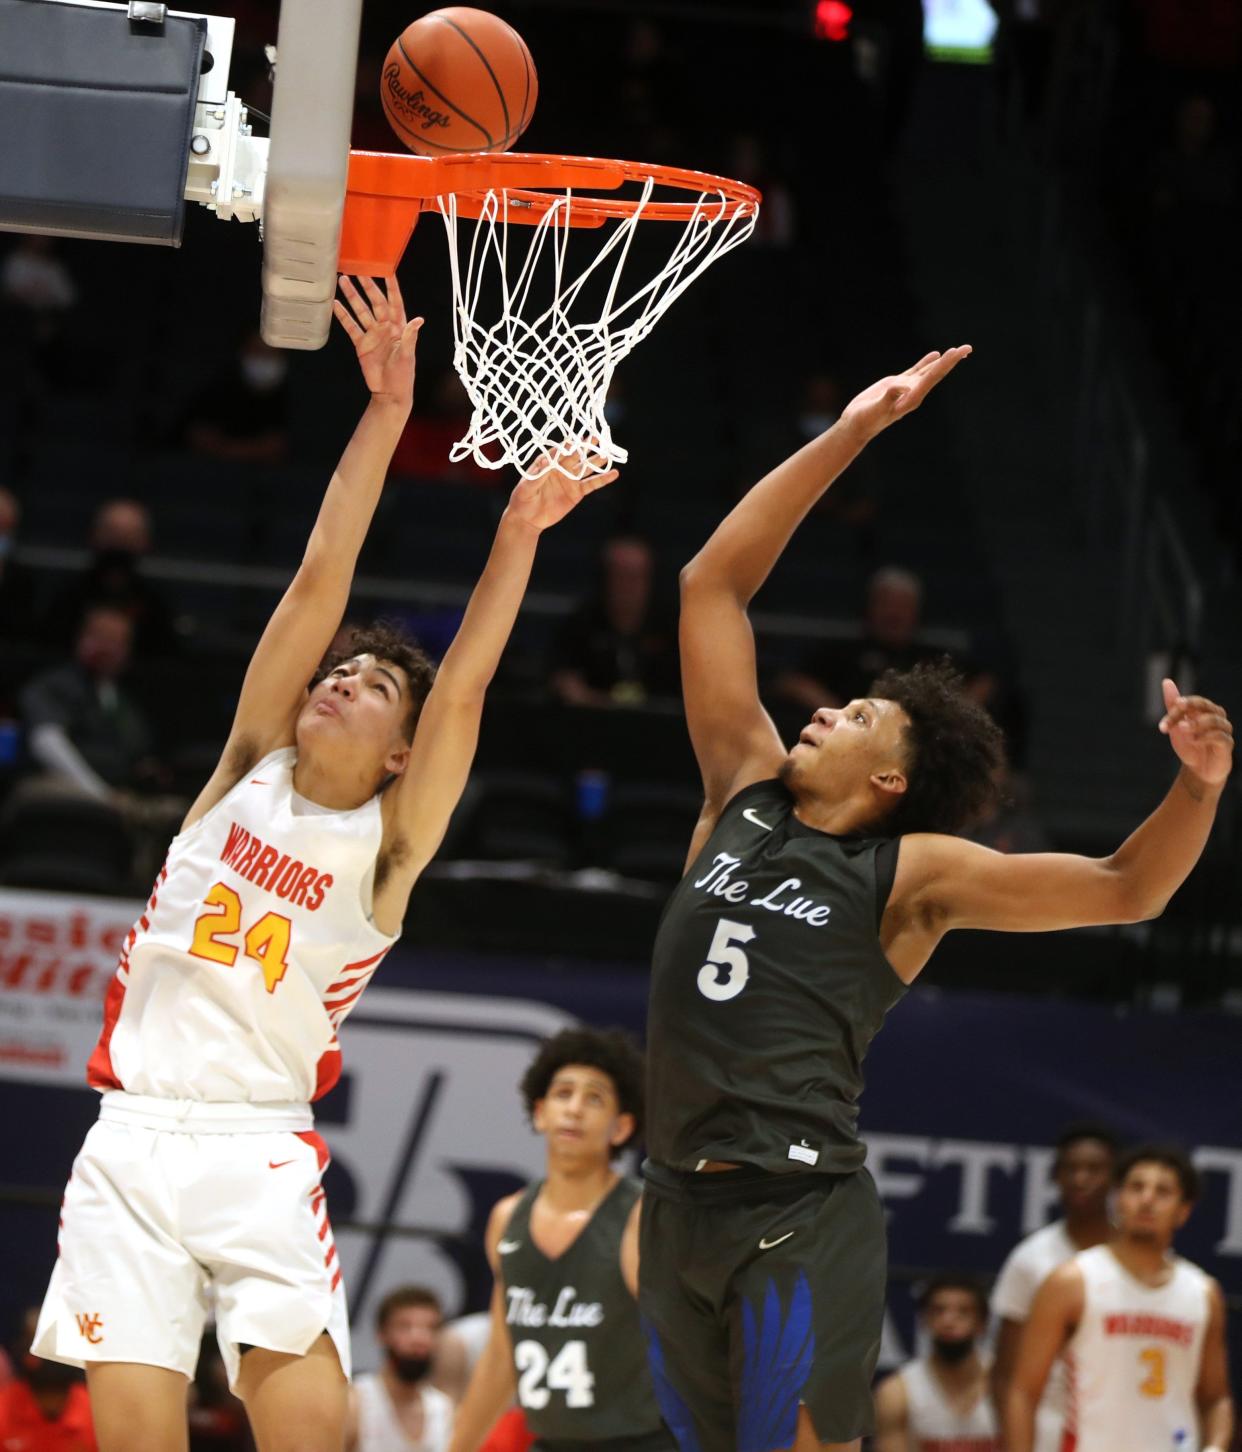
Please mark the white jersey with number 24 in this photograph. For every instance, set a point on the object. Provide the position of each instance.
(256, 942)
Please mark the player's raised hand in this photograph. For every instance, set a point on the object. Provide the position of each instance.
(1200, 733)
(894, 397)
(384, 341)
(546, 500)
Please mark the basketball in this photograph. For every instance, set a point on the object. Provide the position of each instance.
(459, 80)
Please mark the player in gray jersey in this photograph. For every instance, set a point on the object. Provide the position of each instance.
(819, 882)
(565, 1334)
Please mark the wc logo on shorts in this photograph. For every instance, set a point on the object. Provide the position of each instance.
(91, 1327)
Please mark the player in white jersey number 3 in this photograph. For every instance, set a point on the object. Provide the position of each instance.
(286, 886)
(1142, 1331)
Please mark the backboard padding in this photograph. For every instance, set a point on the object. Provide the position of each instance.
(312, 114)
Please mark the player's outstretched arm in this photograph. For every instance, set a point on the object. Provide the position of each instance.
(1212, 1393)
(493, 1385)
(892, 1416)
(417, 809)
(946, 882)
(1055, 1313)
(734, 739)
(309, 614)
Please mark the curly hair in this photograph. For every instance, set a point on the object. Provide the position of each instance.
(388, 640)
(953, 750)
(611, 1051)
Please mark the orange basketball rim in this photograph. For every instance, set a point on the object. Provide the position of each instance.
(387, 193)
(539, 325)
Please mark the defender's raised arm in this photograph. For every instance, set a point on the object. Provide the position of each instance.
(733, 737)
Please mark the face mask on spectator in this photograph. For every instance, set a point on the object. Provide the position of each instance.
(264, 374)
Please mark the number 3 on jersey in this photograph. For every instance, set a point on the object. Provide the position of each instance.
(267, 942)
(724, 974)
(1155, 1383)
(568, 1373)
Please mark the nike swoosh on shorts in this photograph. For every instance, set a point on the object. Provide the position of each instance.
(766, 1244)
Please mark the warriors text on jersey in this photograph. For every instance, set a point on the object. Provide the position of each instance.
(768, 984)
(935, 1425)
(1133, 1362)
(255, 944)
(578, 1349)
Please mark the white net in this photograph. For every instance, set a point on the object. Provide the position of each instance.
(537, 375)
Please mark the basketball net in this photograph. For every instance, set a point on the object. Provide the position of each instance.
(537, 375)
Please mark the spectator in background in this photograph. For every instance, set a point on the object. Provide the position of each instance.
(46, 1407)
(37, 293)
(842, 670)
(397, 1406)
(120, 541)
(1009, 825)
(81, 725)
(1083, 1173)
(852, 503)
(777, 225)
(940, 1400)
(37, 296)
(423, 449)
(617, 648)
(243, 417)
(17, 588)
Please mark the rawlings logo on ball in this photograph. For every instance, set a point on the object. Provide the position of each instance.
(412, 102)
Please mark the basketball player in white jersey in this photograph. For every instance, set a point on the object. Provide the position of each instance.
(200, 1184)
(940, 1402)
(1083, 1173)
(1142, 1331)
(397, 1409)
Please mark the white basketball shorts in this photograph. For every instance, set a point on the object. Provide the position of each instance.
(177, 1211)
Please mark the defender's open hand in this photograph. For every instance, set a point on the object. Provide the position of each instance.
(382, 338)
(1200, 733)
(544, 501)
(892, 398)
